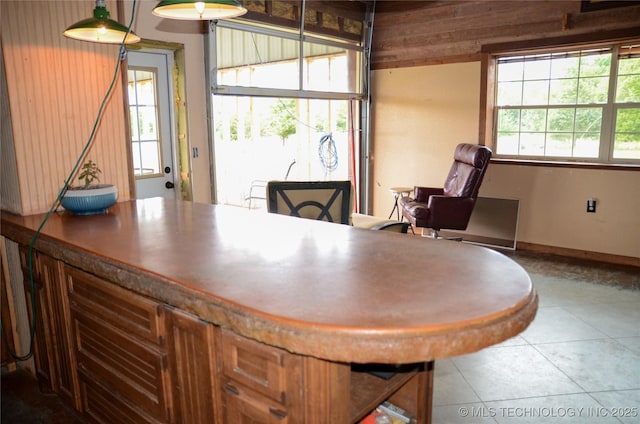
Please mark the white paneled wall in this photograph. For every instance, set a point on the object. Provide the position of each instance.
(55, 88)
(9, 194)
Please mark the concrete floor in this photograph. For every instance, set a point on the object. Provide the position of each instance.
(579, 361)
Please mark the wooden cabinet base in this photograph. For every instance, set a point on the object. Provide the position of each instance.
(176, 317)
(119, 357)
(192, 345)
(53, 352)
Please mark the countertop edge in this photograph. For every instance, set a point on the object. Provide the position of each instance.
(347, 345)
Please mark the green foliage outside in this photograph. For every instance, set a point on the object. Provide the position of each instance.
(322, 124)
(234, 125)
(341, 119)
(283, 122)
(582, 81)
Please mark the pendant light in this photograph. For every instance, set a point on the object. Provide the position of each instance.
(101, 29)
(199, 10)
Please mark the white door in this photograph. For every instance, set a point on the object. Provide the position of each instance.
(150, 92)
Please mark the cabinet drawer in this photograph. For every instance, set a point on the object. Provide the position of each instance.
(255, 365)
(131, 369)
(243, 406)
(105, 407)
(126, 310)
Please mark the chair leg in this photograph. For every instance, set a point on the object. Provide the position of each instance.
(435, 234)
(431, 234)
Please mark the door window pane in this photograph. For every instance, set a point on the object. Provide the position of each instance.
(143, 113)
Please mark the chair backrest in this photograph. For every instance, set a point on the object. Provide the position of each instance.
(467, 171)
(319, 200)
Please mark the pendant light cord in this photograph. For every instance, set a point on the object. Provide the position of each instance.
(56, 203)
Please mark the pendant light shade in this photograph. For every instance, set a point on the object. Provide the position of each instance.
(101, 29)
(199, 10)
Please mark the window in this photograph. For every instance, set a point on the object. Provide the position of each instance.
(253, 60)
(285, 105)
(143, 112)
(574, 105)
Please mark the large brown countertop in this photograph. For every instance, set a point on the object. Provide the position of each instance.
(314, 288)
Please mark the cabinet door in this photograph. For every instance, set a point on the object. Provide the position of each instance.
(42, 338)
(7, 313)
(261, 383)
(194, 374)
(54, 358)
(119, 340)
(244, 406)
(52, 277)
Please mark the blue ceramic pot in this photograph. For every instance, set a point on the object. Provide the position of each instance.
(90, 201)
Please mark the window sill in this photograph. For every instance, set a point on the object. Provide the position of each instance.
(566, 164)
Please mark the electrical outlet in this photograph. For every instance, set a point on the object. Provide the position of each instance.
(591, 205)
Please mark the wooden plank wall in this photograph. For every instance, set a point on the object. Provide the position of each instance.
(55, 87)
(415, 33)
(9, 193)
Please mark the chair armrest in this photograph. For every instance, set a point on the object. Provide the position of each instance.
(450, 212)
(376, 223)
(421, 194)
(394, 226)
(367, 221)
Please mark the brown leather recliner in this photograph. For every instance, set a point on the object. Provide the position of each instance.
(450, 207)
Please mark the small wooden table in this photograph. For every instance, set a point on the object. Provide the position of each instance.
(330, 295)
(397, 193)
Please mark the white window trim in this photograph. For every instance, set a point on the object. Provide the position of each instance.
(488, 115)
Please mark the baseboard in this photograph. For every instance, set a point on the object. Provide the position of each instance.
(579, 254)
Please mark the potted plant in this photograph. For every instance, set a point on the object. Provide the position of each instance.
(90, 197)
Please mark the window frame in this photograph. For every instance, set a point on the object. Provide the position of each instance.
(489, 55)
(359, 162)
(302, 38)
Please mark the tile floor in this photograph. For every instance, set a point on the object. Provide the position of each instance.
(578, 362)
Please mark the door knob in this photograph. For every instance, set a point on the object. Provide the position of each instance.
(169, 184)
